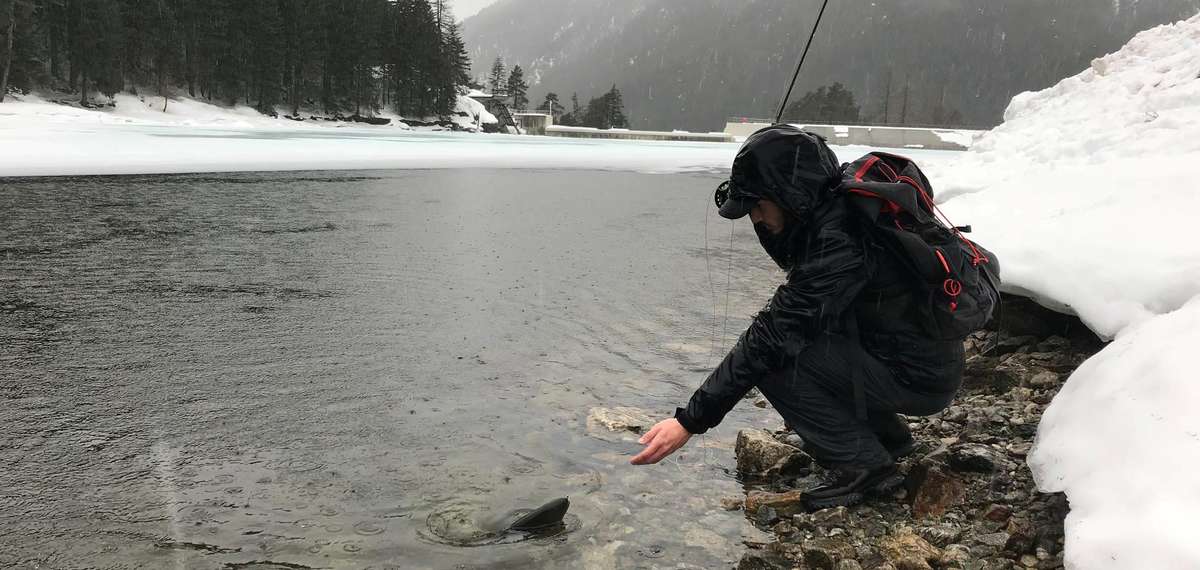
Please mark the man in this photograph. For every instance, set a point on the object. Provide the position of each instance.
(838, 351)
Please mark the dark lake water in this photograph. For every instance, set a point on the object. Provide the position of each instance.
(304, 368)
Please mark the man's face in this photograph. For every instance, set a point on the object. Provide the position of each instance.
(766, 215)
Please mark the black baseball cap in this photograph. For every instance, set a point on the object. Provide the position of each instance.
(781, 163)
(732, 201)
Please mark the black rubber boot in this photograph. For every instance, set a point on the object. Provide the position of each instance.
(851, 487)
(901, 450)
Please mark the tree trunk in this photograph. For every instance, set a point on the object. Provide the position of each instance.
(12, 27)
(55, 66)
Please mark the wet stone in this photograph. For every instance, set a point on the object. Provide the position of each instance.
(976, 457)
(766, 515)
(994, 539)
(941, 534)
(998, 513)
(763, 560)
(786, 504)
(908, 551)
(1022, 536)
(758, 452)
(1043, 379)
(836, 516)
(607, 422)
(731, 503)
(826, 553)
(956, 556)
(792, 440)
(933, 491)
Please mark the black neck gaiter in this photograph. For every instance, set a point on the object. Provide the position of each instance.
(782, 247)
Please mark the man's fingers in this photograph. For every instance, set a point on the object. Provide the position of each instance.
(649, 455)
(649, 436)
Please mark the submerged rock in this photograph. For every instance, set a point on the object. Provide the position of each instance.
(621, 421)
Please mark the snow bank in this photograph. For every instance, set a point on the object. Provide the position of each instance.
(477, 114)
(1087, 193)
(1099, 168)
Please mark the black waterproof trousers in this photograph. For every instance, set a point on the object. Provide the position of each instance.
(843, 402)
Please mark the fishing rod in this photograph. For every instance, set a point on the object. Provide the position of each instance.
(779, 116)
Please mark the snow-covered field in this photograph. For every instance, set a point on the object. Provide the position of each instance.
(1086, 193)
(136, 137)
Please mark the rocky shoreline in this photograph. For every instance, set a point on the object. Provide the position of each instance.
(969, 501)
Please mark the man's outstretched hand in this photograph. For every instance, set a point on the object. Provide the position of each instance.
(662, 440)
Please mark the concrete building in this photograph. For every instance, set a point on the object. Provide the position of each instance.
(533, 122)
(590, 133)
(865, 135)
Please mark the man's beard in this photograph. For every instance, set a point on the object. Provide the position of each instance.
(778, 246)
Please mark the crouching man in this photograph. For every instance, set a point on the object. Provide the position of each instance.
(839, 351)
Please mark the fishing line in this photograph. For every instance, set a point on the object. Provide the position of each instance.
(712, 288)
(779, 116)
(728, 281)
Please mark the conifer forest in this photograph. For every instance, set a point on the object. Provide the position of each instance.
(336, 57)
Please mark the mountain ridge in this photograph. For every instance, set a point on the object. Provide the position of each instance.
(691, 65)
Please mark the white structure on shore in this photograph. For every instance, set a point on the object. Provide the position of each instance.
(872, 136)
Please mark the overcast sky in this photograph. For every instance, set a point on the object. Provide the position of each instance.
(464, 8)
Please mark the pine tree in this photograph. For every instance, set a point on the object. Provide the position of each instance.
(517, 88)
(496, 79)
(98, 47)
(615, 109)
(595, 115)
(551, 105)
(826, 104)
(457, 58)
(9, 34)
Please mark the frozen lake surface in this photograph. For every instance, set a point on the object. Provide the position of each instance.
(305, 367)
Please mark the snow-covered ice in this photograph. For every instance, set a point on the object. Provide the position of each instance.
(1087, 194)
(42, 138)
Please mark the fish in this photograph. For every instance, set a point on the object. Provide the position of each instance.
(547, 515)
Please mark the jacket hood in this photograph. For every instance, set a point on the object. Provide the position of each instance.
(786, 165)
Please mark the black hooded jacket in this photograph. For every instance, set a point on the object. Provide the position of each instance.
(838, 282)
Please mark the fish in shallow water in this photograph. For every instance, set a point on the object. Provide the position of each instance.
(547, 515)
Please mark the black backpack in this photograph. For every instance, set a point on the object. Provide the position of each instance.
(959, 278)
